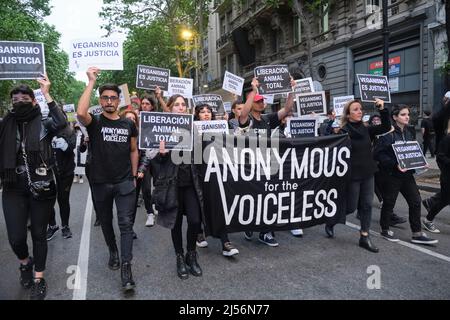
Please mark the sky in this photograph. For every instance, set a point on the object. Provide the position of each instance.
(76, 19)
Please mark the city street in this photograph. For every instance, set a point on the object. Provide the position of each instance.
(312, 267)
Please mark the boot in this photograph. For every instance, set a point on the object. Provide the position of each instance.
(191, 262)
(26, 274)
(181, 267)
(127, 277)
(329, 230)
(364, 242)
(114, 261)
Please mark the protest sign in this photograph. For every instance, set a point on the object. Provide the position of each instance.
(21, 60)
(273, 79)
(80, 157)
(269, 98)
(277, 184)
(181, 86)
(308, 103)
(304, 127)
(373, 87)
(69, 108)
(232, 83)
(124, 96)
(227, 106)
(39, 96)
(151, 77)
(304, 86)
(409, 155)
(213, 100)
(173, 128)
(103, 53)
(339, 104)
(211, 126)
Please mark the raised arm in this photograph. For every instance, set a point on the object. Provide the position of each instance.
(83, 104)
(289, 106)
(243, 118)
(158, 94)
(385, 121)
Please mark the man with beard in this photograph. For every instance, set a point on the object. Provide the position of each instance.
(113, 163)
(26, 157)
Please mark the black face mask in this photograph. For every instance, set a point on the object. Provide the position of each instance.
(22, 107)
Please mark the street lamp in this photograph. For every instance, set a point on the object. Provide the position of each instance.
(188, 36)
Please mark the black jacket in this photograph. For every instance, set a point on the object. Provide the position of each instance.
(443, 157)
(384, 154)
(65, 160)
(440, 121)
(165, 194)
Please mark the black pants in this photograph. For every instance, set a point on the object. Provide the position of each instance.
(360, 197)
(91, 188)
(441, 199)
(123, 194)
(428, 143)
(406, 185)
(18, 206)
(378, 186)
(144, 184)
(187, 203)
(64, 185)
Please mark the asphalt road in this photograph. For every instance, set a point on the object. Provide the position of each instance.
(312, 267)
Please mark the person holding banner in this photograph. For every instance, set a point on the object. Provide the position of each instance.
(252, 121)
(113, 168)
(395, 179)
(361, 187)
(26, 171)
(178, 192)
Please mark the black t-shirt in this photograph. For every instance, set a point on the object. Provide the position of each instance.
(427, 124)
(261, 127)
(110, 148)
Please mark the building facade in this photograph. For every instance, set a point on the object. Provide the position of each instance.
(346, 39)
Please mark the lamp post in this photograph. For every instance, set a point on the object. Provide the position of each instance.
(189, 36)
(385, 39)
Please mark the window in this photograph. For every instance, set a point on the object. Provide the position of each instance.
(223, 25)
(324, 22)
(274, 41)
(394, 8)
(297, 28)
(373, 6)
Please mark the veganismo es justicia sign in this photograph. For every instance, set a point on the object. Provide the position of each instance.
(103, 53)
(409, 155)
(292, 183)
(21, 60)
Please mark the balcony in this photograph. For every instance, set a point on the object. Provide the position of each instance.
(224, 44)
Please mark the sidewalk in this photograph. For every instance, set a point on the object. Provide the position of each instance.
(429, 180)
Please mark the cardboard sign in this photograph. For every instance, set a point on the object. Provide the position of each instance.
(69, 108)
(39, 96)
(212, 126)
(213, 100)
(304, 86)
(227, 106)
(104, 53)
(273, 79)
(304, 127)
(374, 87)
(173, 128)
(232, 83)
(409, 155)
(182, 86)
(124, 96)
(21, 60)
(340, 102)
(151, 77)
(308, 103)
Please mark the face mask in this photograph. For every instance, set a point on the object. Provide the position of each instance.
(22, 107)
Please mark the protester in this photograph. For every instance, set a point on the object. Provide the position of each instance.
(361, 187)
(148, 103)
(236, 109)
(114, 161)
(63, 145)
(252, 121)
(26, 171)
(440, 119)
(178, 191)
(396, 179)
(428, 134)
(325, 128)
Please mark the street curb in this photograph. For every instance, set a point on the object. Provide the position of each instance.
(428, 188)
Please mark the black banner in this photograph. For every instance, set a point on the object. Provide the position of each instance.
(21, 60)
(150, 77)
(263, 184)
(302, 128)
(173, 128)
(409, 155)
(273, 79)
(374, 87)
(213, 100)
(308, 103)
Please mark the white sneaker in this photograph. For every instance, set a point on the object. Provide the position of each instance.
(297, 232)
(150, 220)
(81, 181)
(75, 179)
(201, 241)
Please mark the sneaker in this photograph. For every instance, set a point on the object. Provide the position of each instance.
(26, 274)
(267, 238)
(201, 241)
(297, 233)
(389, 236)
(150, 220)
(229, 250)
(429, 226)
(248, 235)
(81, 181)
(426, 203)
(38, 289)
(423, 239)
(66, 233)
(51, 231)
(395, 219)
(75, 179)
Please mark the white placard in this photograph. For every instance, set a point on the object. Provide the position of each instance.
(304, 86)
(39, 96)
(339, 104)
(232, 83)
(183, 86)
(68, 108)
(212, 126)
(269, 98)
(103, 53)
